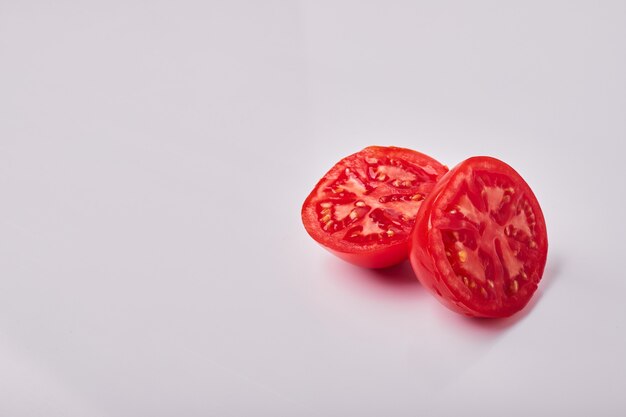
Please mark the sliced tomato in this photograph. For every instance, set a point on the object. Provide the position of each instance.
(364, 208)
(480, 242)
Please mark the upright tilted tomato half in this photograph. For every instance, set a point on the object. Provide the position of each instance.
(364, 208)
(480, 242)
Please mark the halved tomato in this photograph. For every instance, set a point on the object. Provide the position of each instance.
(364, 208)
(480, 242)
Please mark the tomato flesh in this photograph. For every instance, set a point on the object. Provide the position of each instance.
(480, 241)
(364, 208)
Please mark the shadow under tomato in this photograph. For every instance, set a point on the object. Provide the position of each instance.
(553, 270)
(398, 282)
(400, 275)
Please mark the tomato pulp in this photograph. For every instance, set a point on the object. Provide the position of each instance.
(364, 208)
(480, 242)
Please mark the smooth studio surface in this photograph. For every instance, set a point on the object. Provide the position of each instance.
(154, 157)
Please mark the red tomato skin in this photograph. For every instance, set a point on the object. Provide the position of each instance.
(372, 257)
(422, 248)
(375, 259)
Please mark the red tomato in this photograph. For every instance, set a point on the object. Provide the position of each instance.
(480, 242)
(364, 208)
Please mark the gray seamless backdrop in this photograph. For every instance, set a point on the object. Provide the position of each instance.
(153, 159)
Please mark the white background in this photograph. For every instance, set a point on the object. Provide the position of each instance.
(153, 159)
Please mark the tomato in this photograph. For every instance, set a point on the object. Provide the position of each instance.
(480, 242)
(364, 208)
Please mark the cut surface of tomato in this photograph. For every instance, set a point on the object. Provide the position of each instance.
(480, 242)
(364, 208)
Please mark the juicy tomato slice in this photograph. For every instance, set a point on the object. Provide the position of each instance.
(364, 208)
(480, 242)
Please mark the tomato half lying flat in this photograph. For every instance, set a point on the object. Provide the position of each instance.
(364, 208)
(480, 241)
